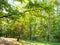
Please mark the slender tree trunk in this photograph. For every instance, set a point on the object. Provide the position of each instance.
(48, 34)
(18, 37)
(30, 31)
(20, 32)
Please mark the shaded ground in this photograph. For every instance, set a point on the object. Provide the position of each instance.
(12, 41)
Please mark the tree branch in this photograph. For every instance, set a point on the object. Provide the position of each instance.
(22, 12)
(5, 16)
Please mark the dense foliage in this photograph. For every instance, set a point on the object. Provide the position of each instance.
(31, 19)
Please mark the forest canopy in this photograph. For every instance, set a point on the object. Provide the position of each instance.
(30, 19)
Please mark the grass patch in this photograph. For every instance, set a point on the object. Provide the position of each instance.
(41, 42)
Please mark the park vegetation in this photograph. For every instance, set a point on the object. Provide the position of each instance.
(30, 20)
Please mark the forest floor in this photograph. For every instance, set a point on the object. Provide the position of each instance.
(28, 42)
(12, 41)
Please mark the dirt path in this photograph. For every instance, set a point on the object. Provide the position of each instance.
(8, 41)
(12, 41)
